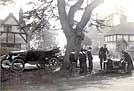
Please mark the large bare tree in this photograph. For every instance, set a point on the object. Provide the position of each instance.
(74, 35)
(73, 30)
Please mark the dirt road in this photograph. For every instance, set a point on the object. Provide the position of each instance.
(39, 80)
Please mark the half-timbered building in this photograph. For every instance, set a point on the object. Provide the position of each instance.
(11, 37)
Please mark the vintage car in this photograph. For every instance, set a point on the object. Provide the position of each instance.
(115, 65)
(16, 60)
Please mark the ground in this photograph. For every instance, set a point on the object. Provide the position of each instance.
(40, 80)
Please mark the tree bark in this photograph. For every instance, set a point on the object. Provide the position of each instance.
(73, 43)
(28, 42)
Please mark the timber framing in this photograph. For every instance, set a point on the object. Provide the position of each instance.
(7, 33)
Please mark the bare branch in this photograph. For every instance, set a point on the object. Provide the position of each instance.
(62, 13)
(72, 11)
(87, 14)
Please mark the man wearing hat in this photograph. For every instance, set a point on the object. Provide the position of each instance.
(82, 61)
(90, 58)
(73, 62)
(103, 54)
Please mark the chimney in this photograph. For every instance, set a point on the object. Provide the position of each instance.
(20, 14)
(123, 19)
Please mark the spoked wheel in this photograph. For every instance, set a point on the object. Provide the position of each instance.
(54, 64)
(18, 65)
(5, 63)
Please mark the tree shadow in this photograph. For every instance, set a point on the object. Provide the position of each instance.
(97, 80)
(58, 82)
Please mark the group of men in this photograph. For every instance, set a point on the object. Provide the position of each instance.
(83, 56)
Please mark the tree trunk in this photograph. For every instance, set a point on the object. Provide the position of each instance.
(29, 37)
(73, 43)
(28, 43)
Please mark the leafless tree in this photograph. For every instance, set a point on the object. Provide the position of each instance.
(38, 22)
(73, 30)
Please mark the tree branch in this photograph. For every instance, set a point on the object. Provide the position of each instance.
(63, 15)
(72, 11)
(87, 14)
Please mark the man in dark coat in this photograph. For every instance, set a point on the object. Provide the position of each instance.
(73, 62)
(82, 61)
(128, 59)
(103, 54)
(90, 58)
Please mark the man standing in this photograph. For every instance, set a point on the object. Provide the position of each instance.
(73, 62)
(103, 54)
(82, 61)
(90, 58)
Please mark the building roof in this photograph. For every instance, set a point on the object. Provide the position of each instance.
(10, 15)
(123, 28)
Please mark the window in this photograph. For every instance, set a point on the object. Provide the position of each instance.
(3, 38)
(111, 38)
(10, 38)
(108, 38)
(125, 37)
(119, 37)
(131, 37)
(114, 37)
(105, 38)
(7, 28)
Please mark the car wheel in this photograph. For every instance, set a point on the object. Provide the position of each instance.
(5, 63)
(54, 63)
(18, 65)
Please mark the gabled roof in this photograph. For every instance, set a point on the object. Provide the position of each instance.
(123, 28)
(2, 22)
(10, 15)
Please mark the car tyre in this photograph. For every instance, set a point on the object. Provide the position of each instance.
(54, 63)
(18, 65)
(5, 63)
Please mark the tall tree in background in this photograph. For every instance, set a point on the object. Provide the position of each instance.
(74, 32)
(33, 21)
